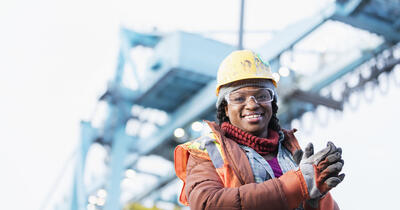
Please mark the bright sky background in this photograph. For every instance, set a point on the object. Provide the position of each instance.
(56, 58)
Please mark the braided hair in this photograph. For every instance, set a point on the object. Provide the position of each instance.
(273, 122)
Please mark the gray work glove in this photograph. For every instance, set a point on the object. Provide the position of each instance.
(297, 156)
(321, 171)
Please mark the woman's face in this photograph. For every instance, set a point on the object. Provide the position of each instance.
(251, 117)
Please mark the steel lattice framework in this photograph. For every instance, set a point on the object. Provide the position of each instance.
(179, 84)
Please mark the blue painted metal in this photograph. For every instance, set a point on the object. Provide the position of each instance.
(376, 16)
(182, 51)
(293, 33)
(180, 82)
(118, 153)
(346, 11)
(173, 89)
(177, 72)
(130, 39)
(140, 39)
(370, 24)
(320, 81)
(197, 105)
(79, 198)
(193, 109)
(396, 24)
(174, 69)
(347, 7)
(120, 100)
(386, 10)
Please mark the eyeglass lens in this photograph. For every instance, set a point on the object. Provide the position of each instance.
(260, 96)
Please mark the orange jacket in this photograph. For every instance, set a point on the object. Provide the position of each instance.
(216, 174)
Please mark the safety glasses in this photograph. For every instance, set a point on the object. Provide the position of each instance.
(241, 97)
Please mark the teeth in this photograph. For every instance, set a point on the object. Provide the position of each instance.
(252, 116)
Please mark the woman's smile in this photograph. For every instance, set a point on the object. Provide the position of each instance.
(252, 118)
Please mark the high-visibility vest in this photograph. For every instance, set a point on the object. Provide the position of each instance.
(209, 148)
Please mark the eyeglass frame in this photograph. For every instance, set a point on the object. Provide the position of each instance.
(254, 98)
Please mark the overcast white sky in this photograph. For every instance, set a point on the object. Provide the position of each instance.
(56, 57)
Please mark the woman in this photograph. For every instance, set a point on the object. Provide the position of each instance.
(248, 161)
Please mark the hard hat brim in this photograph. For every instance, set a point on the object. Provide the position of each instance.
(248, 78)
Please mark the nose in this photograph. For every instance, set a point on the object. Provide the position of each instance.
(251, 102)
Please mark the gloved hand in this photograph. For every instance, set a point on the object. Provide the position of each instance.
(297, 156)
(321, 170)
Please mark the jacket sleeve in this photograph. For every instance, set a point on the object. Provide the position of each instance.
(205, 190)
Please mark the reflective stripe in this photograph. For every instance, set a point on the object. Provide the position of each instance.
(203, 141)
(213, 149)
(214, 154)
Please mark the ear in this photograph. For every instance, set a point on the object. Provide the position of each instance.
(226, 111)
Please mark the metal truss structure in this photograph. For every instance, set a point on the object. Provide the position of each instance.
(180, 81)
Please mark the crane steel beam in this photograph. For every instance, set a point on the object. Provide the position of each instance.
(88, 134)
(319, 81)
(129, 40)
(316, 99)
(201, 103)
(189, 111)
(282, 41)
(119, 151)
(292, 34)
(270, 51)
(371, 24)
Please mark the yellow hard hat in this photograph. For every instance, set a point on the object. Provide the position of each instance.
(240, 65)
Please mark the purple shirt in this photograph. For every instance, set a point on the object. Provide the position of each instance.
(275, 167)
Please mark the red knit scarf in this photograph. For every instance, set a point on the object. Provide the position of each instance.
(262, 146)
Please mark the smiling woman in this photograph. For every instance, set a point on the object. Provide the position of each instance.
(248, 161)
(250, 109)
